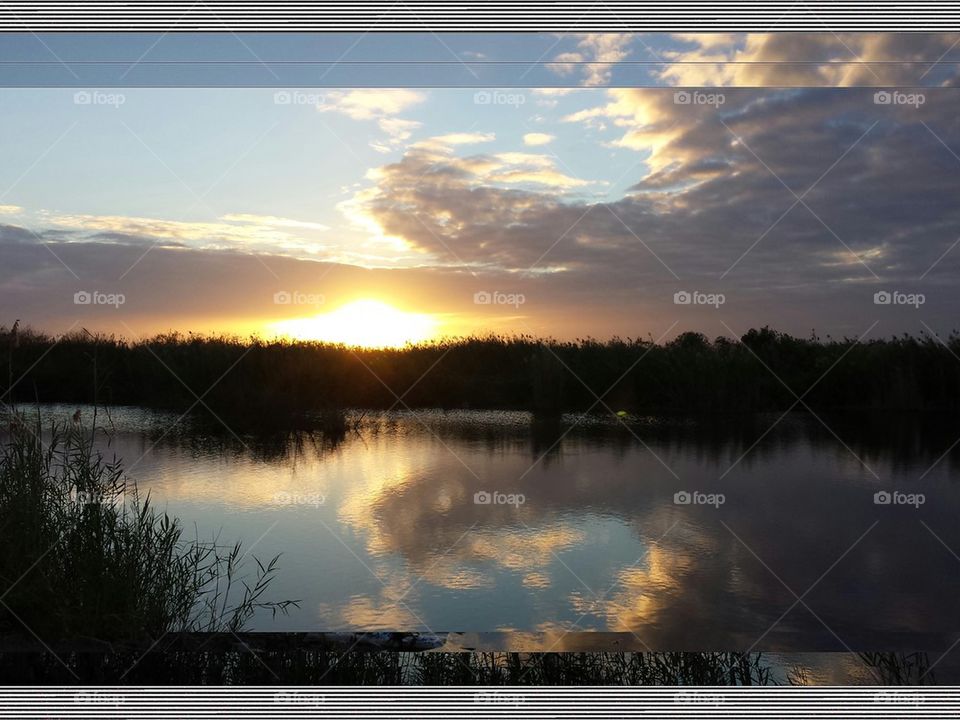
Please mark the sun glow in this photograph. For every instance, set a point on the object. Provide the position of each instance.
(364, 323)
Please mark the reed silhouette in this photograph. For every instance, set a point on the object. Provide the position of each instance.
(260, 383)
(337, 667)
(92, 559)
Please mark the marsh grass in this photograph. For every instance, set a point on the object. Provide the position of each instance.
(490, 669)
(83, 555)
(255, 384)
(497, 669)
(650, 668)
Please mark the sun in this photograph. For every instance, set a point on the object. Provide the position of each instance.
(363, 323)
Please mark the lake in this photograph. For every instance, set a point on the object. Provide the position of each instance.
(787, 534)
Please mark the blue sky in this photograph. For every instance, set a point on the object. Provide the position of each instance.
(309, 156)
(790, 190)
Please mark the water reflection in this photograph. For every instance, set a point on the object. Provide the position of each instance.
(382, 530)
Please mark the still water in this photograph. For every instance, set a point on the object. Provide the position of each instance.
(734, 534)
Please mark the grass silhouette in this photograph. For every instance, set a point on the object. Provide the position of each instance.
(262, 383)
(86, 557)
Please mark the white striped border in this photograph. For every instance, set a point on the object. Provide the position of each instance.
(498, 15)
(414, 702)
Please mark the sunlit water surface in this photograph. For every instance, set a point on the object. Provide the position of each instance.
(784, 548)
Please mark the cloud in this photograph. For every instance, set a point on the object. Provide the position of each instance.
(464, 138)
(14, 235)
(548, 97)
(10, 210)
(810, 59)
(535, 139)
(442, 143)
(381, 105)
(238, 231)
(184, 288)
(370, 104)
(565, 63)
(712, 202)
(601, 51)
(707, 200)
(398, 133)
(518, 167)
(273, 221)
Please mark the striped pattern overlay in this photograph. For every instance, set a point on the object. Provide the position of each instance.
(279, 702)
(497, 15)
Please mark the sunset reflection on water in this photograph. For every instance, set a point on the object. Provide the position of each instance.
(383, 531)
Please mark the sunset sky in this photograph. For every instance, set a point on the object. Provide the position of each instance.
(576, 207)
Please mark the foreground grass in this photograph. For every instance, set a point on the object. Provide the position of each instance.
(491, 669)
(261, 382)
(82, 555)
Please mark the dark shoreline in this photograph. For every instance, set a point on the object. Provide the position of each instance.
(273, 382)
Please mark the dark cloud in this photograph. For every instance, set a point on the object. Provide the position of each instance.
(813, 59)
(121, 238)
(14, 235)
(719, 180)
(718, 206)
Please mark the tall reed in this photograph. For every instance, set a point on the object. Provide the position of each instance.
(84, 555)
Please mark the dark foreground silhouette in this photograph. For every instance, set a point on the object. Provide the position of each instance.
(265, 383)
(250, 663)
